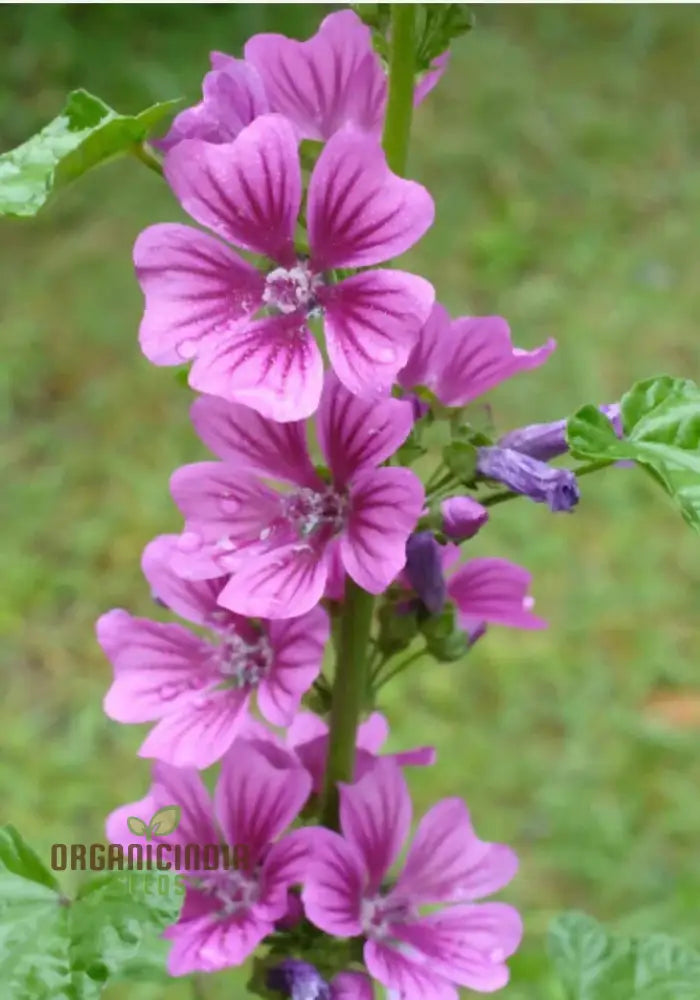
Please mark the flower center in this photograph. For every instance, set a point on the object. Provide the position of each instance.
(310, 512)
(290, 290)
(242, 663)
(230, 888)
(378, 913)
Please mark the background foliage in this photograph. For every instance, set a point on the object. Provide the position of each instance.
(562, 149)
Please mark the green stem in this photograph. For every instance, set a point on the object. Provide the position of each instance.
(143, 153)
(397, 127)
(349, 692)
(399, 667)
(583, 470)
(351, 670)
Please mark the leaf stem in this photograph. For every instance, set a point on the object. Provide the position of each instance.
(349, 691)
(397, 127)
(141, 151)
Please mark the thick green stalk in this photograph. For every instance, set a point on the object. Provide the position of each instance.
(351, 681)
(349, 693)
(397, 127)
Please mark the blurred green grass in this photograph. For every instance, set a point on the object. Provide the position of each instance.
(562, 149)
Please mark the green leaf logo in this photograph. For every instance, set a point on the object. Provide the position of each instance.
(137, 826)
(164, 821)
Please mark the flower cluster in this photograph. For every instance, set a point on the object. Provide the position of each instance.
(322, 378)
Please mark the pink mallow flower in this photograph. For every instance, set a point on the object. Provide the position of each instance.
(461, 359)
(197, 689)
(227, 912)
(284, 549)
(422, 956)
(202, 298)
(332, 80)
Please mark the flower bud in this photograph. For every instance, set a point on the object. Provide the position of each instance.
(462, 517)
(298, 980)
(537, 480)
(546, 441)
(424, 570)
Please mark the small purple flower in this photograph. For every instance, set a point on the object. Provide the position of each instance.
(298, 980)
(424, 570)
(462, 517)
(537, 480)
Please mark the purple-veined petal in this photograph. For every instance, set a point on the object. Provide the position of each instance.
(241, 437)
(371, 322)
(448, 863)
(356, 433)
(210, 943)
(297, 645)
(482, 356)
(193, 600)
(248, 191)
(431, 353)
(333, 79)
(332, 894)
(359, 212)
(284, 583)
(181, 787)
(232, 97)
(257, 799)
(286, 864)
(199, 730)
(196, 290)
(373, 733)
(494, 590)
(431, 77)
(467, 944)
(375, 816)
(219, 501)
(385, 506)
(155, 665)
(404, 977)
(272, 365)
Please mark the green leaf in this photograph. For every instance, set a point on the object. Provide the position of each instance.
(437, 25)
(594, 964)
(582, 953)
(34, 960)
(164, 821)
(117, 919)
(52, 948)
(661, 423)
(17, 858)
(86, 133)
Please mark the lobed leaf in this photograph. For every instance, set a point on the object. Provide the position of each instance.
(661, 424)
(86, 133)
